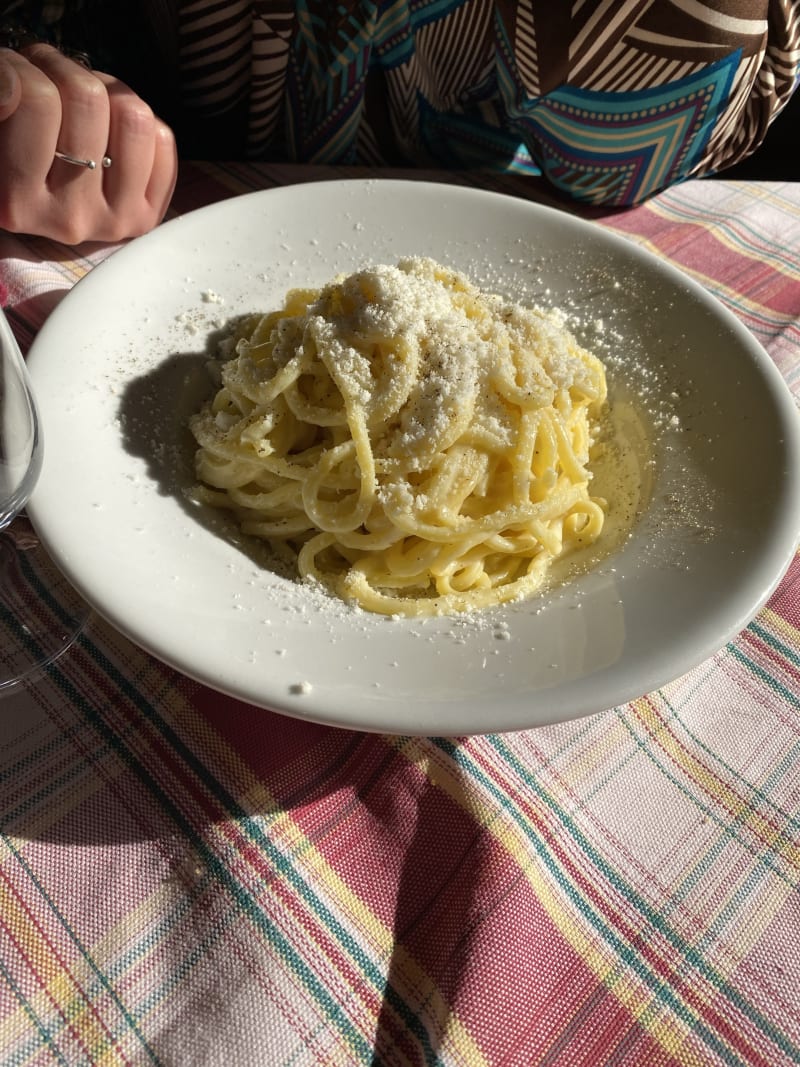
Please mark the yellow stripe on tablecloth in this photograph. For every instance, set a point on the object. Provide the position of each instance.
(741, 809)
(742, 303)
(54, 995)
(60, 992)
(288, 835)
(461, 1045)
(290, 838)
(679, 209)
(773, 194)
(667, 1029)
(781, 626)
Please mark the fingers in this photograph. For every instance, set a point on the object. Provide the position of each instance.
(28, 134)
(10, 86)
(163, 175)
(84, 109)
(55, 104)
(144, 158)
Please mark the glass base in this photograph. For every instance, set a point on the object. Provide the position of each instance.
(40, 612)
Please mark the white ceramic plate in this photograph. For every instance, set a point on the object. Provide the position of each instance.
(121, 362)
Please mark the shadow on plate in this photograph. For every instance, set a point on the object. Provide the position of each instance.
(154, 415)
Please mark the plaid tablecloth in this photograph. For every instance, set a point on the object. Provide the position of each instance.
(187, 880)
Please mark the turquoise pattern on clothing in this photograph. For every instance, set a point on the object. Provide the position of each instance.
(611, 102)
(616, 147)
(466, 141)
(622, 147)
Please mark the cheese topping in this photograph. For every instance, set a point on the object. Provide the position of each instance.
(420, 444)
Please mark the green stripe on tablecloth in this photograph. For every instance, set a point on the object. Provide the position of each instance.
(43, 1031)
(101, 977)
(764, 676)
(755, 792)
(242, 896)
(621, 947)
(280, 862)
(673, 206)
(779, 646)
(225, 878)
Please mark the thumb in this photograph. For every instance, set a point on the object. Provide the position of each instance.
(10, 87)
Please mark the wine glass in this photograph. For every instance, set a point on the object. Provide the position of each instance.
(40, 613)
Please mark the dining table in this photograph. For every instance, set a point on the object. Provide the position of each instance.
(187, 879)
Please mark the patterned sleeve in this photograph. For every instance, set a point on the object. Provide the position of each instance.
(622, 100)
(612, 100)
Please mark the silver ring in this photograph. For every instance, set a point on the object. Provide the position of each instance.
(90, 164)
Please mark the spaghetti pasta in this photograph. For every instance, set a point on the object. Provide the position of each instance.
(422, 446)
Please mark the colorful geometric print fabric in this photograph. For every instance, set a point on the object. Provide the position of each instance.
(611, 101)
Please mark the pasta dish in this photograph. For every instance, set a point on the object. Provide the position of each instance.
(420, 446)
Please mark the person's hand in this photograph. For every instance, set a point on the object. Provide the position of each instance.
(50, 104)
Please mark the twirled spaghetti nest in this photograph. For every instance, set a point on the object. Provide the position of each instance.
(421, 445)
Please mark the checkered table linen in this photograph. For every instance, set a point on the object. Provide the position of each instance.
(186, 880)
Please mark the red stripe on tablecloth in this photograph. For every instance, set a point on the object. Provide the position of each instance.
(699, 250)
(341, 849)
(246, 729)
(447, 869)
(90, 1005)
(725, 795)
(765, 650)
(629, 932)
(782, 602)
(349, 975)
(201, 807)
